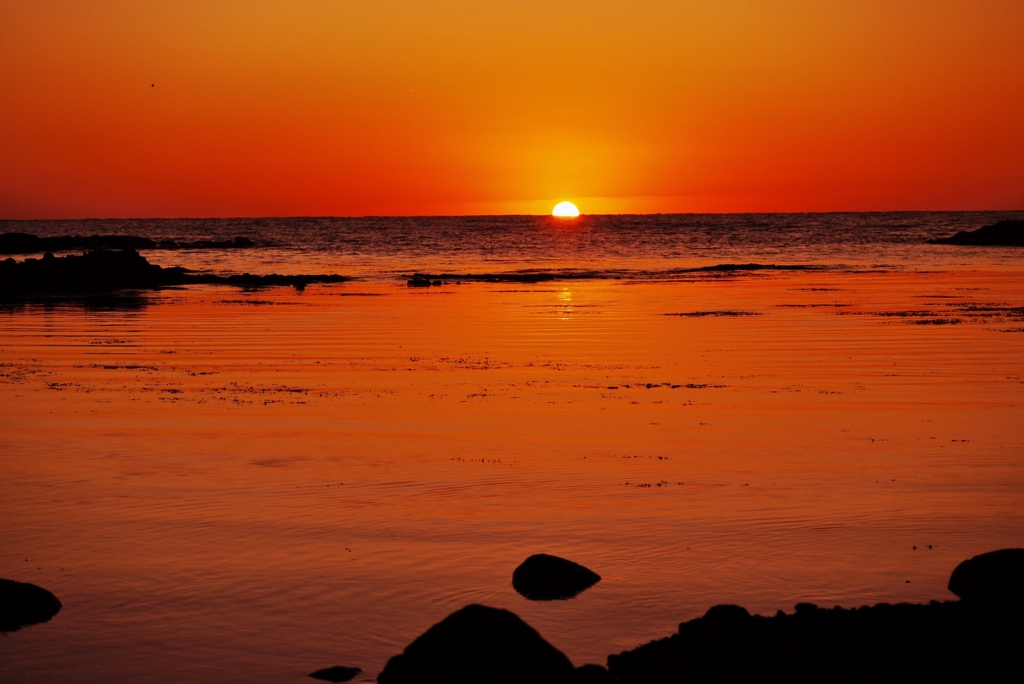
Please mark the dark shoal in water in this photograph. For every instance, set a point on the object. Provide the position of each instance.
(108, 271)
(1009, 233)
(428, 279)
(978, 638)
(23, 243)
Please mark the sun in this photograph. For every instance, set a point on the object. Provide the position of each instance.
(565, 210)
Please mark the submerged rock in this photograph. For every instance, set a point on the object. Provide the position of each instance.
(338, 673)
(544, 578)
(1008, 233)
(995, 579)
(475, 645)
(23, 604)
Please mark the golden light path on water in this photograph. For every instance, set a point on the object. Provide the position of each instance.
(216, 481)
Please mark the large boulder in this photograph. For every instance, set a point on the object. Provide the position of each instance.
(476, 645)
(1008, 233)
(23, 604)
(993, 579)
(544, 578)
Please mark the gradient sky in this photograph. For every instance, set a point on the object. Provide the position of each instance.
(345, 107)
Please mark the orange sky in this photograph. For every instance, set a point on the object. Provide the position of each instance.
(344, 107)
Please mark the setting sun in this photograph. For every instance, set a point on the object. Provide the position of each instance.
(565, 210)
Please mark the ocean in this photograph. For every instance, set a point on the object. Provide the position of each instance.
(636, 246)
(224, 483)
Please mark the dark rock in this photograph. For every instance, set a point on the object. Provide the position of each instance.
(994, 579)
(420, 280)
(592, 674)
(20, 243)
(936, 642)
(100, 271)
(1008, 233)
(476, 645)
(23, 243)
(544, 578)
(23, 604)
(338, 673)
(108, 271)
(726, 616)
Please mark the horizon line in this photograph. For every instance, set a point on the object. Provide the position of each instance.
(469, 216)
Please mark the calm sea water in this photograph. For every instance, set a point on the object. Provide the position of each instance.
(385, 247)
(226, 484)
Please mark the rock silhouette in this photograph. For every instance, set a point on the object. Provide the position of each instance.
(1002, 234)
(105, 271)
(935, 642)
(593, 674)
(978, 638)
(478, 644)
(24, 243)
(995, 579)
(545, 578)
(23, 604)
(420, 280)
(338, 673)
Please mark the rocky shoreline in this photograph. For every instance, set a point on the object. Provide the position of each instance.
(977, 638)
(1009, 233)
(106, 271)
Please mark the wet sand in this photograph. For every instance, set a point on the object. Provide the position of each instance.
(216, 481)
